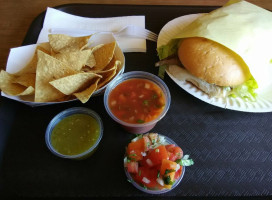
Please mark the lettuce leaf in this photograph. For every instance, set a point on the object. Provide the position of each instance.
(169, 49)
(245, 91)
(165, 51)
(185, 161)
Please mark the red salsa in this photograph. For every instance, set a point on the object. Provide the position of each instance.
(136, 101)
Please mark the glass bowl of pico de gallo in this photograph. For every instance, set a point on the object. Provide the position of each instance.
(137, 100)
(154, 163)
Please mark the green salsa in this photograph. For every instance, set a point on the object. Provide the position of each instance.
(75, 134)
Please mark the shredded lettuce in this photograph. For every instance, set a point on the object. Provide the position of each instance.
(169, 49)
(165, 51)
(245, 91)
(162, 71)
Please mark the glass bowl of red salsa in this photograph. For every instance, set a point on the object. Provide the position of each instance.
(74, 133)
(137, 100)
(152, 163)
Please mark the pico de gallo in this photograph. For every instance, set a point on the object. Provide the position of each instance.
(137, 101)
(153, 163)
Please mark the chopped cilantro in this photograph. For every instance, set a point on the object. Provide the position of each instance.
(167, 180)
(148, 144)
(145, 102)
(185, 161)
(140, 121)
(131, 159)
(142, 185)
(167, 171)
(139, 135)
(158, 175)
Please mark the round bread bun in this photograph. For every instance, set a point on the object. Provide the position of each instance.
(212, 62)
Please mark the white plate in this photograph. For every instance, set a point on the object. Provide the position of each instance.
(264, 98)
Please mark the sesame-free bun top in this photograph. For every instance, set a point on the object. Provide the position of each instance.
(212, 62)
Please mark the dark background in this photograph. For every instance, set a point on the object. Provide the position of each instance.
(232, 150)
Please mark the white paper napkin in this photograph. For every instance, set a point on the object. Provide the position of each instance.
(58, 19)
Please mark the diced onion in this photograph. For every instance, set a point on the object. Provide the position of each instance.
(160, 181)
(143, 154)
(178, 167)
(162, 139)
(125, 160)
(113, 103)
(149, 162)
(147, 86)
(146, 180)
(135, 139)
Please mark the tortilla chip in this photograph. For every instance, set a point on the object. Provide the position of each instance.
(75, 59)
(27, 91)
(32, 65)
(45, 47)
(63, 69)
(10, 88)
(73, 83)
(65, 43)
(113, 63)
(49, 69)
(85, 95)
(107, 75)
(97, 47)
(6, 78)
(26, 80)
(91, 61)
(103, 55)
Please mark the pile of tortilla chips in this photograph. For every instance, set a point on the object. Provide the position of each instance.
(64, 68)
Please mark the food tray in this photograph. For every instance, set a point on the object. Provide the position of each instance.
(231, 149)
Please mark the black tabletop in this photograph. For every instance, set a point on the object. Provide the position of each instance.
(232, 150)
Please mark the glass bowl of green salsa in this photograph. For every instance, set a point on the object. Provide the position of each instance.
(74, 133)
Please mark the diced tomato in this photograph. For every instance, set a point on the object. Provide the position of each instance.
(147, 143)
(174, 152)
(135, 149)
(168, 171)
(143, 162)
(169, 147)
(147, 174)
(153, 137)
(167, 165)
(178, 173)
(155, 156)
(132, 167)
